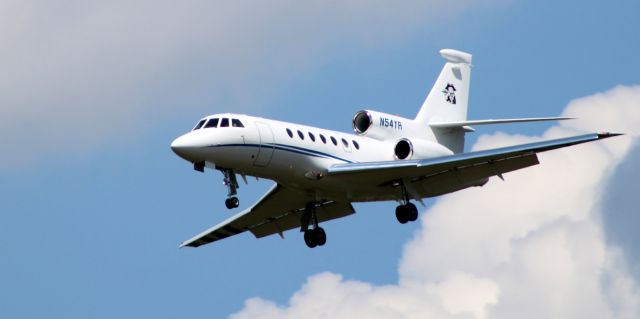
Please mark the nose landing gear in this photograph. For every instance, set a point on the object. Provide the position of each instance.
(232, 202)
(231, 182)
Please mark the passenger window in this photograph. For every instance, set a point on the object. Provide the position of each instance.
(289, 133)
(345, 143)
(324, 140)
(356, 144)
(199, 125)
(313, 138)
(224, 122)
(301, 135)
(212, 123)
(236, 123)
(335, 142)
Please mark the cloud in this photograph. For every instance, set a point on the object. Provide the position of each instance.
(79, 74)
(621, 218)
(531, 247)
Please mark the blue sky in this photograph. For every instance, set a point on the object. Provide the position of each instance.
(95, 203)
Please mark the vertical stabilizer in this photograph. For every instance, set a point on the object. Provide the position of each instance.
(447, 101)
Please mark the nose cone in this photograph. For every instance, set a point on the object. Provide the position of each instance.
(183, 147)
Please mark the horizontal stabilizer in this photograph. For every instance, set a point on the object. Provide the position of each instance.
(499, 121)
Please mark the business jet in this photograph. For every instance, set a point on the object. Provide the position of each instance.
(319, 173)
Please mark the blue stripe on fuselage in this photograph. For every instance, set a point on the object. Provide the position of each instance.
(288, 148)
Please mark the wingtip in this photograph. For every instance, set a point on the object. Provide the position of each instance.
(608, 134)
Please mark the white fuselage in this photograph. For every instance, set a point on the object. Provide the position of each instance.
(297, 156)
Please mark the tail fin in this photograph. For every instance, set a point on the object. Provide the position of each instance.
(447, 101)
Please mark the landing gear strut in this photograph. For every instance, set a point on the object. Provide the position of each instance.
(407, 212)
(315, 236)
(231, 182)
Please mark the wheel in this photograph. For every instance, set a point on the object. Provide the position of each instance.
(321, 236)
(310, 238)
(236, 202)
(232, 202)
(401, 214)
(412, 211)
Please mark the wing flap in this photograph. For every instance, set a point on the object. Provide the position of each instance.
(474, 173)
(290, 220)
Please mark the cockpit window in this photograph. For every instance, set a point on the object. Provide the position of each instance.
(199, 125)
(224, 122)
(236, 123)
(212, 123)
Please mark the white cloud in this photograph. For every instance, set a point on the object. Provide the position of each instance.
(76, 74)
(531, 247)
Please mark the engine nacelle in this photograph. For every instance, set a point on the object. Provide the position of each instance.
(405, 149)
(381, 126)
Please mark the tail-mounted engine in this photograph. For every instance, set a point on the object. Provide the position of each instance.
(407, 139)
(405, 149)
(381, 126)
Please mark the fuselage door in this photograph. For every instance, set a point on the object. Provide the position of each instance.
(265, 152)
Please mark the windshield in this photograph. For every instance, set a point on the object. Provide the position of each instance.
(199, 125)
(212, 123)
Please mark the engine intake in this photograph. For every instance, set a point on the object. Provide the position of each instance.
(381, 126)
(362, 121)
(403, 149)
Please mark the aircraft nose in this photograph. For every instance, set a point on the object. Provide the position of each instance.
(182, 146)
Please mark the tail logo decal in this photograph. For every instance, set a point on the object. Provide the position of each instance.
(450, 93)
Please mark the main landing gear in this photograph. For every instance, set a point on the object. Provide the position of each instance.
(315, 236)
(407, 212)
(231, 182)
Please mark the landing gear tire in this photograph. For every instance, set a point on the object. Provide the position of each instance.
(321, 236)
(310, 238)
(315, 237)
(406, 213)
(401, 214)
(413, 212)
(232, 202)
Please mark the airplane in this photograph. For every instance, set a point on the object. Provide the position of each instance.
(319, 173)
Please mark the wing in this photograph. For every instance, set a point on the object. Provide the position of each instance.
(465, 167)
(278, 210)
